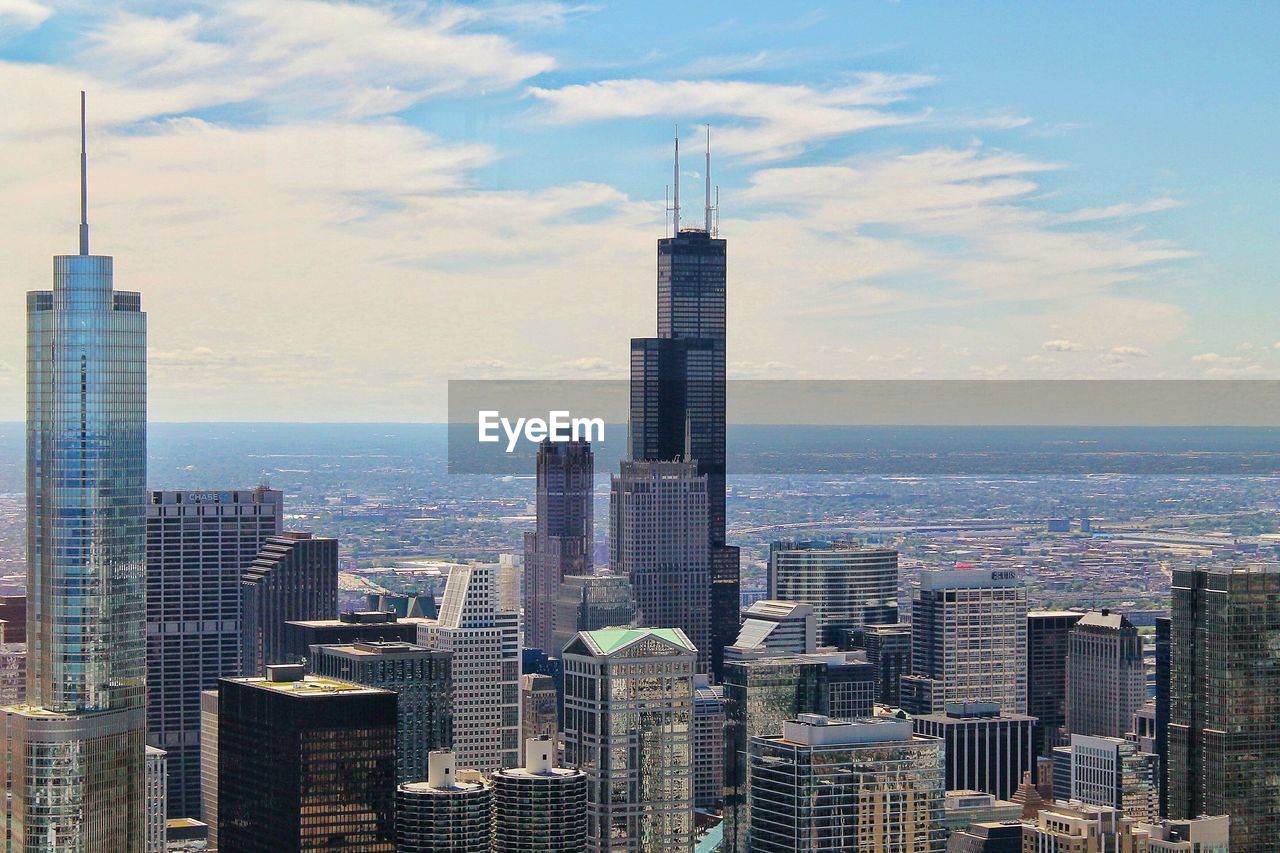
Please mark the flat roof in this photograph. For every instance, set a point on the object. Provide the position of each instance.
(309, 685)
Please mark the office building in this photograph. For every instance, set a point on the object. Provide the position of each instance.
(1202, 835)
(771, 628)
(1224, 700)
(658, 540)
(1106, 678)
(1081, 828)
(199, 544)
(1108, 771)
(628, 722)
(13, 671)
(403, 605)
(539, 707)
(13, 613)
(708, 744)
(849, 587)
(1161, 721)
(591, 602)
(987, 837)
(960, 808)
(986, 750)
(852, 786)
(157, 791)
(968, 641)
(888, 649)
(1047, 633)
(209, 764)
(564, 541)
(421, 680)
(294, 576)
(74, 749)
(305, 763)
(539, 808)
(353, 626)
(449, 812)
(485, 643)
(678, 394)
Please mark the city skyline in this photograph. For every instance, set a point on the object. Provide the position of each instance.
(486, 157)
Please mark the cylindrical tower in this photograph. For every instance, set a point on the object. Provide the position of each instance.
(448, 813)
(538, 807)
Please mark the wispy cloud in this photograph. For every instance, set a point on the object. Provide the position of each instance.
(23, 14)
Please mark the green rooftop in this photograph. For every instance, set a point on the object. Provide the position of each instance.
(609, 640)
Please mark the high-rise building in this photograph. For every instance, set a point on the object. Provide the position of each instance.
(860, 786)
(628, 721)
(13, 612)
(888, 649)
(771, 628)
(678, 392)
(75, 749)
(658, 540)
(564, 541)
(353, 626)
(1160, 734)
(1081, 828)
(539, 808)
(1108, 771)
(1202, 835)
(968, 641)
(963, 807)
(199, 544)
(986, 750)
(421, 680)
(708, 744)
(294, 576)
(1047, 633)
(449, 812)
(987, 837)
(1224, 699)
(849, 587)
(539, 707)
(13, 670)
(305, 763)
(1106, 678)
(157, 785)
(485, 642)
(590, 602)
(209, 764)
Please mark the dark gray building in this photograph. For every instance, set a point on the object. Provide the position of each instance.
(420, 678)
(198, 546)
(1047, 632)
(294, 576)
(986, 750)
(563, 542)
(588, 602)
(987, 837)
(354, 626)
(888, 649)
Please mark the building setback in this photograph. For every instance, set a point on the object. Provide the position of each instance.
(294, 576)
(539, 808)
(353, 626)
(564, 541)
(986, 750)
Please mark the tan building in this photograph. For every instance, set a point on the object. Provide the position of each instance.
(1078, 828)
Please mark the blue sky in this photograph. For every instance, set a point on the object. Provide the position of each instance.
(332, 208)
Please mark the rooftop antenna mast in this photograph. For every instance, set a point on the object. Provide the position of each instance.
(84, 184)
(708, 180)
(675, 207)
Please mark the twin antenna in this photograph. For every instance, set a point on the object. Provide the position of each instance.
(712, 211)
(84, 185)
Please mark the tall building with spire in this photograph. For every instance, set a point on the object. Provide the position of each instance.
(678, 388)
(75, 750)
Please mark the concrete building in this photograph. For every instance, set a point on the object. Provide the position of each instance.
(209, 764)
(986, 750)
(449, 812)
(1202, 835)
(708, 744)
(539, 808)
(658, 540)
(485, 643)
(1106, 678)
(157, 786)
(771, 628)
(199, 544)
(848, 586)
(420, 678)
(987, 837)
(294, 576)
(1047, 638)
(963, 807)
(857, 787)
(628, 723)
(563, 541)
(968, 641)
(1112, 772)
(1079, 828)
(539, 707)
(591, 602)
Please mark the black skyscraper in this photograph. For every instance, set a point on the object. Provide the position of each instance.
(678, 392)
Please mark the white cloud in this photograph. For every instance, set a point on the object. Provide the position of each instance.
(23, 14)
(1061, 345)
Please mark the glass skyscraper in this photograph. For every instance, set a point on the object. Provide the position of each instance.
(75, 749)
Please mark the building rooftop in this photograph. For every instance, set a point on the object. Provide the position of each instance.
(818, 730)
(378, 648)
(606, 641)
(305, 686)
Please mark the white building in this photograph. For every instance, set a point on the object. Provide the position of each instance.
(484, 638)
(771, 627)
(157, 793)
(1202, 835)
(1109, 771)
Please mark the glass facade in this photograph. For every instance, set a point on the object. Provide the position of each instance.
(563, 543)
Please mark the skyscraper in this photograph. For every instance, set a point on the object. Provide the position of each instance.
(539, 707)
(1106, 677)
(1047, 633)
(678, 389)
(708, 744)
(539, 808)
(888, 649)
(658, 540)
(199, 543)
(588, 602)
(1224, 744)
(75, 749)
(775, 627)
(157, 793)
(448, 812)
(860, 786)
(419, 677)
(305, 763)
(485, 642)
(986, 750)
(294, 576)
(628, 720)
(1161, 722)
(849, 587)
(1108, 771)
(968, 641)
(564, 540)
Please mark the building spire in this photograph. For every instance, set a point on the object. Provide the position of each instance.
(708, 179)
(84, 184)
(675, 206)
